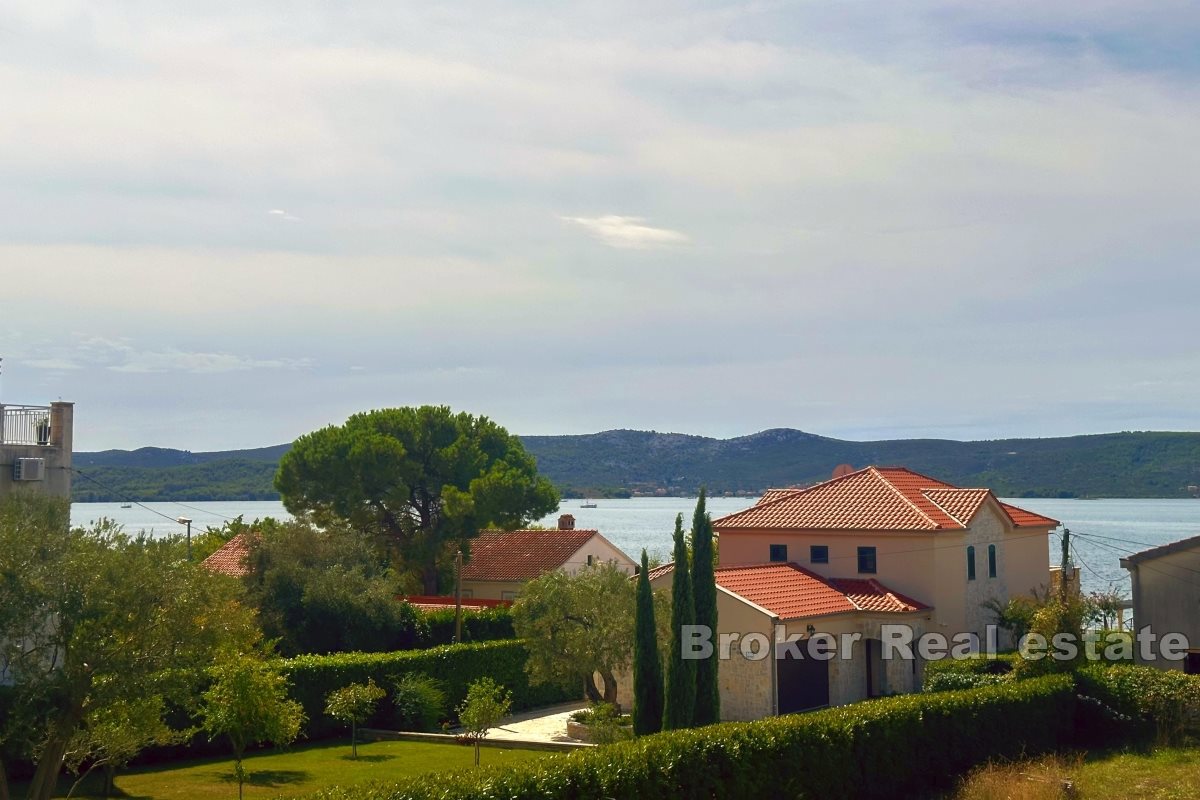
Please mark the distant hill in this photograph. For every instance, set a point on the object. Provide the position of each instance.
(1143, 464)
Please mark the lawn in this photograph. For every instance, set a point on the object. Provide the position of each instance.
(300, 770)
(1165, 774)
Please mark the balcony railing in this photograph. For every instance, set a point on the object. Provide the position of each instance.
(25, 425)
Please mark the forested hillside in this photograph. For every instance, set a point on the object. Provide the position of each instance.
(622, 461)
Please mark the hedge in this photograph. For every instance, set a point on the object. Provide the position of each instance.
(312, 678)
(483, 625)
(1124, 703)
(886, 748)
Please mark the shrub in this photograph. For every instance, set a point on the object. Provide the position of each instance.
(1139, 703)
(419, 702)
(967, 673)
(483, 625)
(314, 677)
(949, 681)
(887, 748)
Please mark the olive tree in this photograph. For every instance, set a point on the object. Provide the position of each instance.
(578, 626)
(93, 620)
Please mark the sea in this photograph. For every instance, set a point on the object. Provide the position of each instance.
(1101, 530)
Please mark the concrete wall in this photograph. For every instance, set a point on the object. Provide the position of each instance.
(57, 455)
(1166, 596)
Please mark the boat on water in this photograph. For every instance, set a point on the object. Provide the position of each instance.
(126, 505)
(587, 505)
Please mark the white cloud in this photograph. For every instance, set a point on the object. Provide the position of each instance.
(201, 363)
(628, 232)
(283, 215)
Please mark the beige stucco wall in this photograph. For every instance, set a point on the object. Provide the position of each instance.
(602, 551)
(1166, 597)
(491, 590)
(929, 567)
(904, 561)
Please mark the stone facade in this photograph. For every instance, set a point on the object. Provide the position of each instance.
(56, 454)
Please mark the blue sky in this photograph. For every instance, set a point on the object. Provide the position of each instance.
(225, 227)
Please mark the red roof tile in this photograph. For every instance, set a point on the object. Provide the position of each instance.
(231, 558)
(790, 591)
(521, 555)
(869, 594)
(874, 499)
(440, 602)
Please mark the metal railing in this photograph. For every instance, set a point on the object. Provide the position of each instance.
(25, 425)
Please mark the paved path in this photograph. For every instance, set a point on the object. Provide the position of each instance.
(542, 724)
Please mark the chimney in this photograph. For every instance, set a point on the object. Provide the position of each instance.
(842, 469)
(566, 523)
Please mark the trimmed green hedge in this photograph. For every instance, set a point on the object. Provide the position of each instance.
(1123, 703)
(484, 625)
(887, 748)
(312, 678)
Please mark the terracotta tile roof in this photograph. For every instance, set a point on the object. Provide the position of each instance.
(521, 555)
(869, 594)
(790, 591)
(231, 558)
(874, 499)
(771, 495)
(961, 504)
(440, 602)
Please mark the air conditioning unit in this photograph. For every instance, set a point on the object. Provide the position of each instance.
(29, 469)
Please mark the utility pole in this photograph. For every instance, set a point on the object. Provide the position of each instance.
(1065, 571)
(188, 522)
(458, 596)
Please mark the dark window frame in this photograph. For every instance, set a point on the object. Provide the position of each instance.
(813, 554)
(991, 560)
(777, 550)
(868, 561)
(970, 562)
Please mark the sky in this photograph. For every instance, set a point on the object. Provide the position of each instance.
(223, 225)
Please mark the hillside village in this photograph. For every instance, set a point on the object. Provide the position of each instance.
(879, 590)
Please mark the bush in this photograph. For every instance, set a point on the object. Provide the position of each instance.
(949, 681)
(419, 703)
(1127, 702)
(483, 625)
(967, 673)
(455, 666)
(892, 747)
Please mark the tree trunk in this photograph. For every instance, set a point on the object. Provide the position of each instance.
(429, 578)
(590, 690)
(45, 777)
(610, 688)
(3, 781)
(353, 739)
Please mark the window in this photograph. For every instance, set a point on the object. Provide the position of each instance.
(779, 552)
(971, 563)
(866, 560)
(591, 560)
(1191, 664)
(991, 560)
(818, 554)
(509, 596)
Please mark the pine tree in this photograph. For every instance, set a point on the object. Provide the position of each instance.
(681, 674)
(647, 665)
(704, 590)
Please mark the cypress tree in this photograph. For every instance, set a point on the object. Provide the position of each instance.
(704, 590)
(681, 674)
(647, 665)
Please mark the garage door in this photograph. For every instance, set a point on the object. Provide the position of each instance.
(803, 684)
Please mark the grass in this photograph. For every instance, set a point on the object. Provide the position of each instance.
(298, 770)
(1163, 774)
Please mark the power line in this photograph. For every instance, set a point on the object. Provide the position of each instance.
(83, 474)
(143, 505)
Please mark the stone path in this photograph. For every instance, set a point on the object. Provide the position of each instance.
(540, 725)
